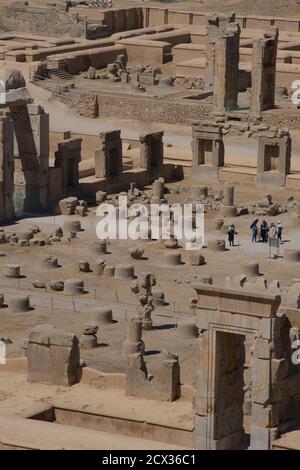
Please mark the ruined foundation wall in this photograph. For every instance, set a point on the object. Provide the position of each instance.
(171, 112)
(150, 109)
(159, 16)
(37, 20)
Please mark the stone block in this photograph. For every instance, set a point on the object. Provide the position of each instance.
(53, 356)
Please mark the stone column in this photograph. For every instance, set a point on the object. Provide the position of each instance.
(7, 211)
(31, 126)
(67, 157)
(264, 72)
(108, 158)
(227, 69)
(151, 153)
(133, 343)
(273, 149)
(216, 25)
(228, 195)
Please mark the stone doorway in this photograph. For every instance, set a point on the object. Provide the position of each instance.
(229, 389)
(272, 158)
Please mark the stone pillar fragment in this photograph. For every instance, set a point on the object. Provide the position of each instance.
(216, 25)
(53, 356)
(151, 153)
(273, 158)
(227, 69)
(264, 72)
(68, 157)
(208, 150)
(108, 158)
(7, 211)
(31, 179)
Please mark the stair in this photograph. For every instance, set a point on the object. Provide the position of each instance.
(56, 90)
(58, 73)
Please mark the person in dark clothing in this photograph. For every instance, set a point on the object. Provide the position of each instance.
(254, 230)
(264, 232)
(231, 233)
(279, 229)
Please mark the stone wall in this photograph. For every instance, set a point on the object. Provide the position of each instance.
(171, 112)
(161, 15)
(148, 109)
(48, 21)
(282, 118)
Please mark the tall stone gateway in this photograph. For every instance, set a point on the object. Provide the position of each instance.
(208, 150)
(264, 71)
(7, 210)
(227, 69)
(31, 126)
(215, 26)
(245, 339)
(25, 134)
(109, 156)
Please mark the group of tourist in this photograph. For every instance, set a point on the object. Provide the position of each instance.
(263, 232)
(260, 233)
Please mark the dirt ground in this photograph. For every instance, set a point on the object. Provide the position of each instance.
(74, 313)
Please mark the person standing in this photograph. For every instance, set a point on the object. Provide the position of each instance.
(264, 231)
(231, 233)
(279, 229)
(273, 231)
(254, 230)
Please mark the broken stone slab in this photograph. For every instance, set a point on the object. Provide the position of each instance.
(19, 304)
(53, 356)
(136, 252)
(109, 271)
(23, 243)
(12, 270)
(158, 298)
(133, 343)
(100, 196)
(81, 211)
(292, 255)
(57, 285)
(13, 240)
(264, 202)
(197, 259)
(17, 97)
(102, 316)
(187, 329)
(124, 271)
(293, 295)
(218, 223)
(67, 206)
(49, 261)
(90, 330)
(88, 341)
(74, 286)
(99, 247)
(251, 269)
(98, 267)
(216, 245)
(83, 266)
(39, 284)
(25, 235)
(72, 226)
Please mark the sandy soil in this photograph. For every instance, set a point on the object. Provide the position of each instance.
(56, 308)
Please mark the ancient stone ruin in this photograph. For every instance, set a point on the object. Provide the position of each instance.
(149, 238)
